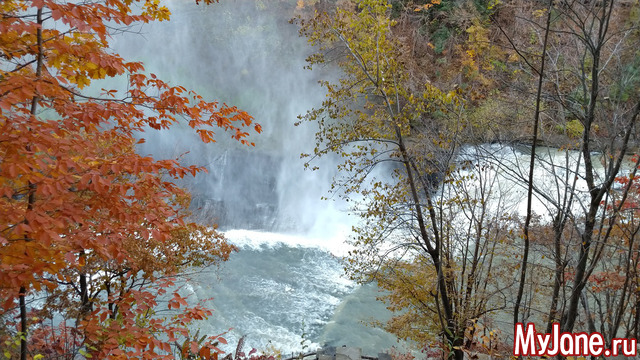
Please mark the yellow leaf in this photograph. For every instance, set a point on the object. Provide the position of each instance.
(539, 13)
(82, 81)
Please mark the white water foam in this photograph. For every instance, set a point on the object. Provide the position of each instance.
(280, 290)
(334, 243)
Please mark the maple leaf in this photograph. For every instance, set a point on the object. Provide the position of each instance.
(87, 222)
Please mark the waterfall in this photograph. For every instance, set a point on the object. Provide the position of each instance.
(287, 279)
(244, 53)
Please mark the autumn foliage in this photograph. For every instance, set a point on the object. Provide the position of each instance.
(90, 230)
(436, 104)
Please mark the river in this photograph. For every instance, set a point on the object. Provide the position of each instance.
(285, 288)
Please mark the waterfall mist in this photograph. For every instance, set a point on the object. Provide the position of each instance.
(286, 280)
(244, 53)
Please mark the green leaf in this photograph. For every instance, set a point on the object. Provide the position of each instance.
(84, 353)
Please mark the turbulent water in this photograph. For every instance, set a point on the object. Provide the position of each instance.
(286, 293)
(285, 288)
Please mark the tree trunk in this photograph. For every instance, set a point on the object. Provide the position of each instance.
(32, 190)
(527, 222)
(23, 324)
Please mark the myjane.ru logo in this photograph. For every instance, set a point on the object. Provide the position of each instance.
(528, 342)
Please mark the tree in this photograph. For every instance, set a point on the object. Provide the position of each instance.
(564, 76)
(399, 142)
(590, 56)
(89, 229)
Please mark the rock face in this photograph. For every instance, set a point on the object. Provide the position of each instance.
(346, 353)
(240, 191)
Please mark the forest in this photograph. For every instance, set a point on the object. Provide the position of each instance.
(467, 240)
(488, 149)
